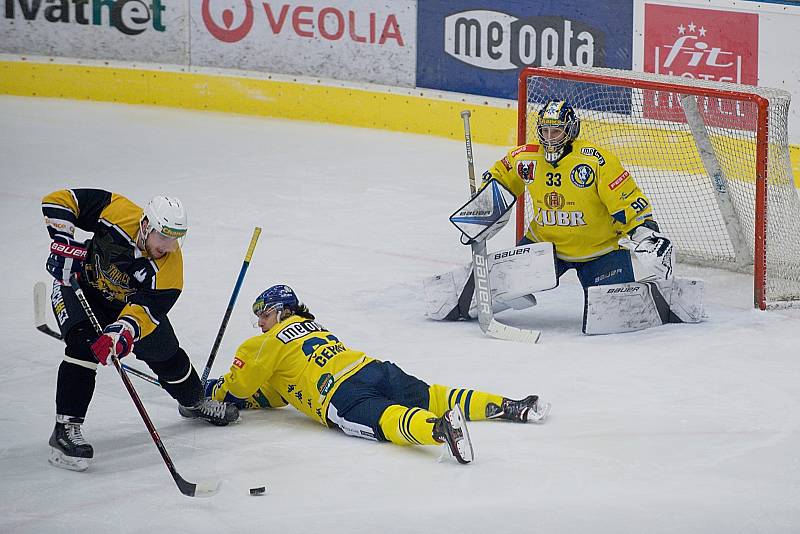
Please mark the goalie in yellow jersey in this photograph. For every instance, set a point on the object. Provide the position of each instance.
(297, 361)
(587, 210)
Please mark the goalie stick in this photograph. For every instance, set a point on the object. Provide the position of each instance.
(187, 488)
(483, 294)
(40, 321)
(245, 264)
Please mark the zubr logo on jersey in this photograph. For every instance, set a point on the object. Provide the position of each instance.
(308, 21)
(700, 44)
(499, 41)
(130, 17)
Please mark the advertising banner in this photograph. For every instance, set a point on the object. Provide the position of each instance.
(698, 44)
(478, 47)
(742, 42)
(129, 30)
(357, 40)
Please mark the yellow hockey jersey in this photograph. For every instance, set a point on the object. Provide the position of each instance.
(297, 361)
(582, 204)
(142, 289)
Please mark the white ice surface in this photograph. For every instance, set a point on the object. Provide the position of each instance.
(683, 428)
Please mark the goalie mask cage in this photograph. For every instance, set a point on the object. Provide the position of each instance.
(712, 157)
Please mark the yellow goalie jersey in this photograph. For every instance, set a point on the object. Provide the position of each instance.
(583, 204)
(297, 362)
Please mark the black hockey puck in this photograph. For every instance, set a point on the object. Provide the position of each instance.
(261, 490)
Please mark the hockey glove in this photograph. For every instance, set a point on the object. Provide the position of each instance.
(66, 257)
(117, 339)
(484, 214)
(652, 249)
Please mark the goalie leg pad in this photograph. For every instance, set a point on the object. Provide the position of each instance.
(514, 274)
(618, 308)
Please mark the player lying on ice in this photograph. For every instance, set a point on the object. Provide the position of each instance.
(588, 214)
(131, 272)
(297, 361)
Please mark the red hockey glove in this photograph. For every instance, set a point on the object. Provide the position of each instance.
(117, 339)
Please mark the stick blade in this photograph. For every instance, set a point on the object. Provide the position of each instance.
(39, 304)
(511, 333)
(201, 489)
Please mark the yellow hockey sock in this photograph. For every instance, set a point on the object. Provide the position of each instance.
(408, 426)
(473, 403)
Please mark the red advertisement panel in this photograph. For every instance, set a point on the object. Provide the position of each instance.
(704, 44)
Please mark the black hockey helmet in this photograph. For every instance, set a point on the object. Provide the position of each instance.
(557, 125)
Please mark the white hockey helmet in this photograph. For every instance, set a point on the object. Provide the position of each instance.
(167, 216)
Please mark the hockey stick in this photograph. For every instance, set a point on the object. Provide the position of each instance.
(40, 321)
(187, 488)
(231, 302)
(483, 293)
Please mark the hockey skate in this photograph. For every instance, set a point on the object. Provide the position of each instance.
(451, 429)
(68, 449)
(531, 409)
(215, 412)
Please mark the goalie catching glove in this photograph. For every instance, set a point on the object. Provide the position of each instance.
(485, 214)
(652, 249)
(117, 339)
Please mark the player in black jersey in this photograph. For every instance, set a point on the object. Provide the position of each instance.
(131, 271)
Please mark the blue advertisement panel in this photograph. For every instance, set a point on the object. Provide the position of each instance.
(475, 47)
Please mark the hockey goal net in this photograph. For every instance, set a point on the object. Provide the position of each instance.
(712, 157)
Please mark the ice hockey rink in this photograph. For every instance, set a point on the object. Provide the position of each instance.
(682, 428)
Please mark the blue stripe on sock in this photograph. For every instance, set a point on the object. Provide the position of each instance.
(411, 414)
(402, 426)
(466, 403)
(460, 394)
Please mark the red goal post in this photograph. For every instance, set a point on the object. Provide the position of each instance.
(713, 158)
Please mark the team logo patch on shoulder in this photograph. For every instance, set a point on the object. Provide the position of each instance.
(526, 170)
(582, 175)
(238, 363)
(506, 163)
(524, 148)
(619, 180)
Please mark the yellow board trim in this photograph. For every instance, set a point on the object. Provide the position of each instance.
(270, 98)
(257, 96)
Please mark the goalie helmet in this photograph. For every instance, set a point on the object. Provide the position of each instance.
(167, 216)
(556, 127)
(280, 297)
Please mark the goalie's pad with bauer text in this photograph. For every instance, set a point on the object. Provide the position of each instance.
(618, 308)
(514, 275)
(485, 214)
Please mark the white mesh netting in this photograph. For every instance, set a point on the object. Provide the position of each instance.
(693, 151)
